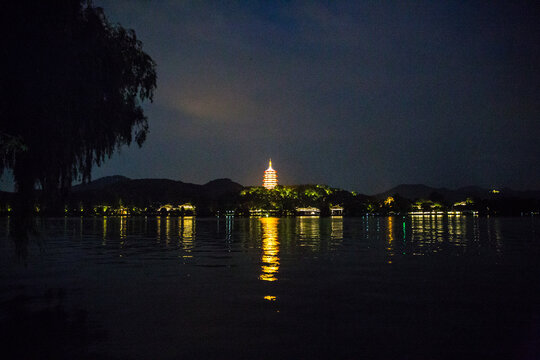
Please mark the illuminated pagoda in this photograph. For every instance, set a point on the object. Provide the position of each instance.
(270, 177)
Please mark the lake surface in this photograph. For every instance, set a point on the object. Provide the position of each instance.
(273, 288)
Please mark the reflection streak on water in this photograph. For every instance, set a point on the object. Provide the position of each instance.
(390, 237)
(494, 225)
(476, 230)
(167, 231)
(457, 230)
(432, 234)
(277, 238)
(229, 225)
(270, 249)
(123, 234)
(404, 244)
(123, 227)
(336, 234)
(427, 233)
(309, 232)
(187, 234)
(104, 241)
(255, 233)
(158, 229)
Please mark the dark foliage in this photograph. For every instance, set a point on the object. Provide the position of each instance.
(71, 93)
(216, 195)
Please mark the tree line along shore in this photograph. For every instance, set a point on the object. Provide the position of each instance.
(123, 196)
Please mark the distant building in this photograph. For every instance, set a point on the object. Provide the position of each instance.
(262, 212)
(184, 209)
(270, 177)
(308, 211)
(336, 210)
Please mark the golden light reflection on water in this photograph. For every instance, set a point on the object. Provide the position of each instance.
(123, 227)
(457, 230)
(123, 234)
(270, 249)
(426, 233)
(336, 232)
(309, 232)
(187, 233)
(167, 230)
(104, 242)
(158, 229)
(390, 238)
(452, 232)
(494, 235)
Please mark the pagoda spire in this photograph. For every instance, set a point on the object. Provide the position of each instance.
(270, 180)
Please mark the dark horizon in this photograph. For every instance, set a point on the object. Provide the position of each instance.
(387, 190)
(330, 185)
(10, 187)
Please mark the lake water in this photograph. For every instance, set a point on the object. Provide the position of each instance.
(273, 288)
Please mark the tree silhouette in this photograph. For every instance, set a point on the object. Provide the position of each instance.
(71, 92)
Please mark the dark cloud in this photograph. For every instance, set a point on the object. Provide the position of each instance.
(359, 95)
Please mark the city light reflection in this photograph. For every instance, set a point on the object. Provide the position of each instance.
(187, 234)
(104, 242)
(457, 230)
(390, 238)
(167, 230)
(494, 235)
(158, 229)
(270, 249)
(123, 234)
(229, 227)
(309, 232)
(427, 233)
(336, 234)
(123, 227)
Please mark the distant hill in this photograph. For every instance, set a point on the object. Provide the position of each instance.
(99, 183)
(420, 191)
(219, 187)
(111, 189)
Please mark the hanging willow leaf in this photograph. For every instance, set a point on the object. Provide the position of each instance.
(72, 94)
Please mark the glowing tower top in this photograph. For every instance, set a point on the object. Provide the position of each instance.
(270, 177)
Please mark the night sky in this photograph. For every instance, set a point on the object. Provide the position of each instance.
(357, 95)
